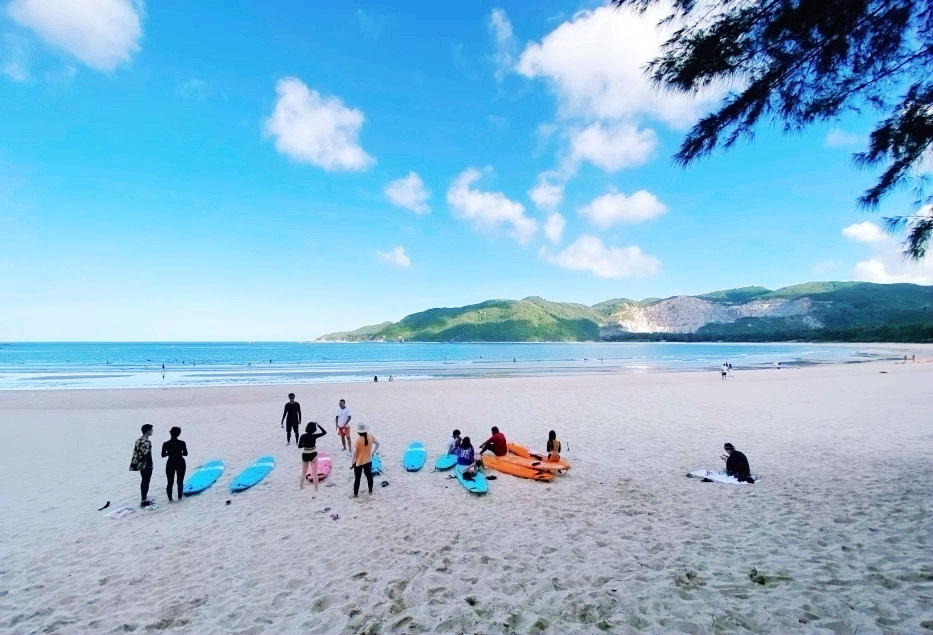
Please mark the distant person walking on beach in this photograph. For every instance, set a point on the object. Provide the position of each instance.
(725, 370)
(342, 421)
(366, 446)
(736, 464)
(553, 447)
(291, 418)
(496, 443)
(142, 463)
(176, 451)
(308, 446)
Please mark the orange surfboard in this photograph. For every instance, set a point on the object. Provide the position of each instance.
(496, 463)
(523, 451)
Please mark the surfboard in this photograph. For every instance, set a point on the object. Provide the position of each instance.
(445, 462)
(324, 465)
(414, 457)
(477, 485)
(204, 477)
(127, 510)
(253, 474)
(377, 464)
(496, 463)
(535, 464)
(717, 476)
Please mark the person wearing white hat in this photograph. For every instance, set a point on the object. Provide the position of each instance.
(366, 446)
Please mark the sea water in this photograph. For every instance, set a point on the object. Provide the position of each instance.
(39, 366)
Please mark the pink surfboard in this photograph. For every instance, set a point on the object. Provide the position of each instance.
(324, 464)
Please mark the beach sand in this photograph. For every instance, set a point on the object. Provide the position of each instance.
(835, 538)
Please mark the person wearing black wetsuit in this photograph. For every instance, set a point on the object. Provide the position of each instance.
(142, 462)
(176, 451)
(308, 446)
(291, 418)
(737, 464)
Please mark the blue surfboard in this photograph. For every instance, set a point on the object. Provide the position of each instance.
(204, 477)
(377, 464)
(477, 485)
(253, 474)
(445, 462)
(414, 457)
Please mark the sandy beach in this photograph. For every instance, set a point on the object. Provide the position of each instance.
(836, 537)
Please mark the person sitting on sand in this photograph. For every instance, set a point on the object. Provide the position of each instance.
(366, 446)
(308, 446)
(466, 458)
(736, 464)
(142, 462)
(496, 443)
(454, 442)
(176, 451)
(553, 447)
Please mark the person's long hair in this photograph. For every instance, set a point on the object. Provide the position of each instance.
(465, 443)
(365, 436)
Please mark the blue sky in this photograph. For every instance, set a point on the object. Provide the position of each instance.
(275, 171)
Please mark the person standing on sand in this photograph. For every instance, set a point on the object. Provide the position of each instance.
(496, 443)
(308, 446)
(366, 446)
(291, 418)
(142, 462)
(176, 451)
(736, 464)
(342, 421)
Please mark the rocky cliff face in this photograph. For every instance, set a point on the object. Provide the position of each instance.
(686, 314)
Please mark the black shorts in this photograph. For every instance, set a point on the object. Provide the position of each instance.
(308, 456)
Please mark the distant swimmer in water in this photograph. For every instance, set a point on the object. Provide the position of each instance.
(736, 464)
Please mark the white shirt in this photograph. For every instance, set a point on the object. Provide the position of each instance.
(343, 416)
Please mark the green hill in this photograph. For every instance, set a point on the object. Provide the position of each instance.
(816, 311)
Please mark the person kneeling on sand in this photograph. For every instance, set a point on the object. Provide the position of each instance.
(366, 446)
(496, 443)
(466, 459)
(736, 464)
(553, 447)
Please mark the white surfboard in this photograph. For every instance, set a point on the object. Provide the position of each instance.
(717, 476)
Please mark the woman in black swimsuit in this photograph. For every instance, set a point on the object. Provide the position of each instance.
(308, 446)
(176, 451)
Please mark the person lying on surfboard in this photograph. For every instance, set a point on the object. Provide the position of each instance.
(737, 464)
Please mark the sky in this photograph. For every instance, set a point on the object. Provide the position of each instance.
(275, 171)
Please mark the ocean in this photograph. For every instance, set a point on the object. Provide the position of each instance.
(66, 365)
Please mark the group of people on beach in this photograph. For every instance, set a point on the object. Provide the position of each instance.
(174, 450)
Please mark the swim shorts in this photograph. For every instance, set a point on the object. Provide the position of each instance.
(343, 431)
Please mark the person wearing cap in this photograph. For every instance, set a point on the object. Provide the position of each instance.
(342, 421)
(291, 418)
(366, 446)
(737, 464)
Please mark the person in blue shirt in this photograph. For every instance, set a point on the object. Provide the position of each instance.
(466, 458)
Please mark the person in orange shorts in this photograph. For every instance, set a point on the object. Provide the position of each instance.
(343, 425)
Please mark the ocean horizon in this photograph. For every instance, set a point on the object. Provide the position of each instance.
(88, 365)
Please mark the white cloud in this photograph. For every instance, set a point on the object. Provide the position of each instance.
(409, 192)
(865, 232)
(16, 58)
(588, 253)
(887, 263)
(395, 258)
(595, 64)
(194, 89)
(615, 207)
(488, 210)
(925, 165)
(614, 146)
(314, 129)
(547, 195)
(554, 227)
(837, 138)
(506, 46)
(101, 33)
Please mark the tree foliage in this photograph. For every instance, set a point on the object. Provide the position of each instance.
(800, 61)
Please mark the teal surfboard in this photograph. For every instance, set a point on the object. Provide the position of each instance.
(414, 457)
(204, 477)
(445, 462)
(377, 464)
(253, 474)
(477, 485)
